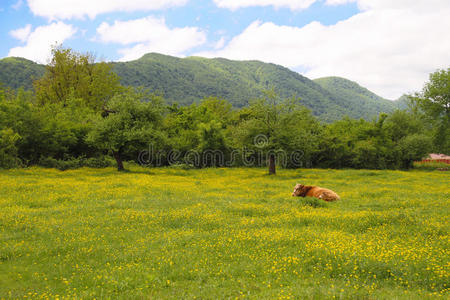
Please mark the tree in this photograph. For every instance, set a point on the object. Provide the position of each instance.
(434, 101)
(200, 127)
(75, 74)
(132, 122)
(274, 126)
(401, 123)
(8, 148)
(356, 144)
(213, 117)
(53, 130)
(413, 147)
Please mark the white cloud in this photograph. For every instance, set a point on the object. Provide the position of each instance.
(390, 47)
(21, 33)
(151, 35)
(338, 2)
(292, 4)
(39, 42)
(220, 43)
(78, 9)
(419, 5)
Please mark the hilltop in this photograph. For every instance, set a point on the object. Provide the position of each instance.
(16, 72)
(188, 80)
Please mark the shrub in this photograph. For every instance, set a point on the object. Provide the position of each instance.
(76, 162)
(8, 149)
(414, 147)
(50, 162)
(99, 162)
(182, 166)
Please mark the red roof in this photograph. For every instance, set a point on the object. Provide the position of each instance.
(438, 156)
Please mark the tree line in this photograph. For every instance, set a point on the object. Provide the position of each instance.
(78, 114)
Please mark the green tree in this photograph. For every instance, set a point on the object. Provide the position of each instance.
(270, 124)
(213, 117)
(401, 123)
(356, 144)
(18, 114)
(404, 128)
(8, 148)
(132, 122)
(64, 128)
(75, 74)
(412, 148)
(201, 127)
(50, 130)
(434, 101)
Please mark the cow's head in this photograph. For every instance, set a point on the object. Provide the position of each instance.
(299, 190)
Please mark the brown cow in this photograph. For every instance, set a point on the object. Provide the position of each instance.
(314, 191)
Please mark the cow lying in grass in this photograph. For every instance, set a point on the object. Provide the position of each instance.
(314, 191)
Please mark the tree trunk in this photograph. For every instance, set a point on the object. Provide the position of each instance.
(272, 164)
(116, 155)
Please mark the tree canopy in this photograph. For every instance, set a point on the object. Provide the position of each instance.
(434, 102)
(70, 73)
(132, 123)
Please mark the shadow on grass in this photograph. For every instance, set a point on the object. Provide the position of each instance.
(144, 172)
(313, 202)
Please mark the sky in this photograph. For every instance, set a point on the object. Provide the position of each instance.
(387, 46)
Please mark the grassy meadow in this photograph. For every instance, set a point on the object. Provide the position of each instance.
(223, 233)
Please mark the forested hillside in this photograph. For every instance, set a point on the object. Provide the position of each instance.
(188, 80)
(356, 98)
(16, 72)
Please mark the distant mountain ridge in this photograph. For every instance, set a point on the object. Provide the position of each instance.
(357, 96)
(187, 80)
(16, 72)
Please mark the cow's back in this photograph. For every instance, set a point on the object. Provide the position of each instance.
(322, 193)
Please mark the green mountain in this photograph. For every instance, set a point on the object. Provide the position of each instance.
(356, 98)
(402, 102)
(16, 72)
(187, 80)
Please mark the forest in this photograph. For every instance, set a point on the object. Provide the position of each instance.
(79, 113)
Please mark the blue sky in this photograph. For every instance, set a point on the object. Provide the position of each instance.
(387, 46)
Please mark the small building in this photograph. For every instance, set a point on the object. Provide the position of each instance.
(435, 157)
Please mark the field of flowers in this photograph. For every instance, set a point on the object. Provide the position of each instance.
(223, 233)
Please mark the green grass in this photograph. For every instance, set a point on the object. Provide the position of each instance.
(222, 233)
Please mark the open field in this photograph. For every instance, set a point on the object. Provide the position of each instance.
(223, 233)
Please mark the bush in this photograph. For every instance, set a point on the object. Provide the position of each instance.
(414, 147)
(99, 162)
(50, 162)
(8, 149)
(181, 166)
(74, 162)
